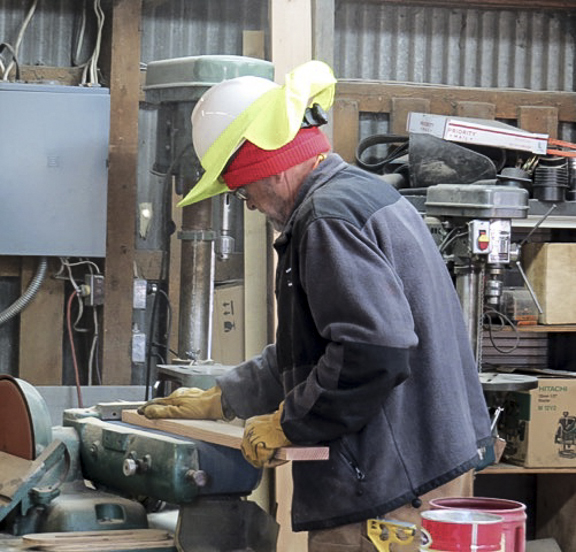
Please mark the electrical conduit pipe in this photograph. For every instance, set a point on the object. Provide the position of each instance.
(22, 302)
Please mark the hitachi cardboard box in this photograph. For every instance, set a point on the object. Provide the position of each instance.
(540, 425)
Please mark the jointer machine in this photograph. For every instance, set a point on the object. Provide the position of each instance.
(96, 473)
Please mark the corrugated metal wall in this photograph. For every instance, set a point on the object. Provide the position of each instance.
(459, 47)
(189, 28)
(464, 47)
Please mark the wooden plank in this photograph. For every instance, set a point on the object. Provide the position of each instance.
(539, 119)
(10, 266)
(253, 44)
(219, 433)
(548, 328)
(41, 327)
(121, 535)
(400, 109)
(478, 110)
(289, 48)
(122, 185)
(174, 271)
(346, 128)
(94, 546)
(71, 76)
(376, 97)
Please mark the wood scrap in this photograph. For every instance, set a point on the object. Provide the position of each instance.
(88, 541)
(67, 537)
(220, 433)
(95, 546)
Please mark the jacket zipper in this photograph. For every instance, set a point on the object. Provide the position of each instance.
(349, 457)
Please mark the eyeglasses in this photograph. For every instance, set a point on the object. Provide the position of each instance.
(241, 194)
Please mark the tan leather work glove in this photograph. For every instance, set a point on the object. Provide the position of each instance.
(187, 402)
(262, 436)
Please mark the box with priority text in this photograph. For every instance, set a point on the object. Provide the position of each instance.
(480, 132)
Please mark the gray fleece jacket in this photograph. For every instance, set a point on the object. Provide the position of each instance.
(371, 356)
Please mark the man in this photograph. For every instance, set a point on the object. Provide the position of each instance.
(372, 357)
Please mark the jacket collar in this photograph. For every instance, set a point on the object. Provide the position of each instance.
(316, 179)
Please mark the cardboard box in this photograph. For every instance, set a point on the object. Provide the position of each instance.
(228, 324)
(551, 271)
(540, 425)
(482, 132)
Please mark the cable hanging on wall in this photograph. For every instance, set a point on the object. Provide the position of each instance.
(13, 63)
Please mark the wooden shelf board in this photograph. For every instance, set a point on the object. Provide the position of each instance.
(548, 328)
(503, 468)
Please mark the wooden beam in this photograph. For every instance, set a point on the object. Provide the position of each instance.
(71, 76)
(10, 266)
(376, 97)
(41, 324)
(220, 433)
(401, 107)
(289, 48)
(539, 119)
(346, 128)
(478, 110)
(122, 183)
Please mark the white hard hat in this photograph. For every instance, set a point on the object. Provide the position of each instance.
(256, 110)
(220, 105)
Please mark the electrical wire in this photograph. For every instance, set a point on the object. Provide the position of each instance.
(67, 265)
(22, 302)
(73, 348)
(504, 321)
(94, 61)
(152, 342)
(90, 68)
(80, 37)
(65, 272)
(451, 237)
(14, 61)
(169, 322)
(92, 358)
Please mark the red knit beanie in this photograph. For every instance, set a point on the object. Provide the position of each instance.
(252, 163)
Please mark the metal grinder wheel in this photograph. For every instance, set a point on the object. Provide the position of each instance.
(25, 425)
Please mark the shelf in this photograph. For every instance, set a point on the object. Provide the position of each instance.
(543, 328)
(508, 469)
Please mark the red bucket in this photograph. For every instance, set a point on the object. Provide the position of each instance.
(513, 513)
(461, 531)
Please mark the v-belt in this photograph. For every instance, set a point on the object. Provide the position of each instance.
(561, 144)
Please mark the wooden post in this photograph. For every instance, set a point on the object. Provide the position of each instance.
(289, 49)
(122, 183)
(41, 324)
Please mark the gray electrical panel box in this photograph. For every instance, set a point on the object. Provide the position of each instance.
(53, 170)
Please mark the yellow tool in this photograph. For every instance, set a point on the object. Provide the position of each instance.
(383, 533)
